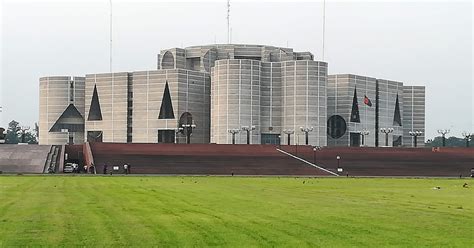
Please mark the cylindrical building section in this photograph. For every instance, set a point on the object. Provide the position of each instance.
(304, 102)
(235, 101)
(61, 103)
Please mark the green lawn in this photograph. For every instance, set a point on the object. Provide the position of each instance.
(235, 211)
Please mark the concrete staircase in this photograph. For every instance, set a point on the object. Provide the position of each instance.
(23, 158)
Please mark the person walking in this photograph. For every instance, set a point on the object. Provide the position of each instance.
(105, 169)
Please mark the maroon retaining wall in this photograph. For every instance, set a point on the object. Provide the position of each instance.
(265, 160)
(371, 161)
(200, 159)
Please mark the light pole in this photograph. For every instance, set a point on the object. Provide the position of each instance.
(306, 130)
(288, 132)
(386, 131)
(187, 128)
(339, 169)
(22, 131)
(279, 141)
(248, 129)
(315, 148)
(415, 135)
(443, 133)
(468, 137)
(233, 132)
(176, 132)
(363, 133)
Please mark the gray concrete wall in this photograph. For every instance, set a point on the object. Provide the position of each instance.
(388, 91)
(112, 91)
(190, 92)
(413, 114)
(340, 97)
(235, 100)
(304, 100)
(54, 97)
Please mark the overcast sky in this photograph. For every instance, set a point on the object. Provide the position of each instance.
(418, 43)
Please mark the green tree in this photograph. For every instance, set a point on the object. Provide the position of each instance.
(450, 142)
(14, 135)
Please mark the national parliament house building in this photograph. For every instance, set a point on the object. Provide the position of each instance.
(231, 94)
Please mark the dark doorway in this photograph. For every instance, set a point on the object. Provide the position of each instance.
(94, 136)
(355, 139)
(270, 139)
(166, 136)
(397, 141)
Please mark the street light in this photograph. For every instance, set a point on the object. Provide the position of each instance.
(443, 133)
(187, 128)
(315, 148)
(248, 129)
(306, 130)
(467, 137)
(339, 169)
(386, 131)
(177, 131)
(233, 132)
(415, 135)
(288, 132)
(363, 133)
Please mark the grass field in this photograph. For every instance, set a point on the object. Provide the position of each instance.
(234, 211)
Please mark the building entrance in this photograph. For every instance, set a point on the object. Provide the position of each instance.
(355, 139)
(166, 136)
(270, 139)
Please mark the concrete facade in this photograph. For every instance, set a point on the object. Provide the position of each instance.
(413, 114)
(270, 89)
(112, 91)
(201, 94)
(55, 95)
(387, 111)
(341, 90)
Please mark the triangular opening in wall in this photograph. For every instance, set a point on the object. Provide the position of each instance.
(94, 112)
(166, 110)
(355, 117)
(70, 120)
(397, 119)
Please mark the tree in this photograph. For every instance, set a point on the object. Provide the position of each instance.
(450, 142)
(14, 135)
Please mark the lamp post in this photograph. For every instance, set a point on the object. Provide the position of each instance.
(315, 148)
(415, 135)
(187, 128)
(288, 132)
(386, 131)
(339, 169)
(306, 130)
(443, 133)
(279, 141)
(233, 132)
(363, 133)
(248, 129)
(176, 132)
(22, 131)
(468, 137)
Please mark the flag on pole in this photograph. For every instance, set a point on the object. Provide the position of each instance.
(367, 101)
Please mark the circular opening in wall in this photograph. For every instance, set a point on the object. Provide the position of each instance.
(336, 126)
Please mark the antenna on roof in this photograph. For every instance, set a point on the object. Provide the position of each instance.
(110, 37)
(324, 23)
(228, 21)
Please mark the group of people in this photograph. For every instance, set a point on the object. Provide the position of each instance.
(126, 169)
